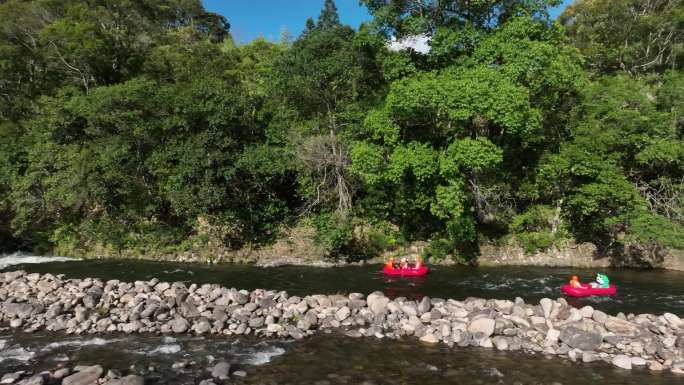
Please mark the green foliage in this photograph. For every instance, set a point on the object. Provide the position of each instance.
(352, 239)
(627, 35)
(468, 155)
(538, 228)
(438, 249)
(648, 229)
(156, 133)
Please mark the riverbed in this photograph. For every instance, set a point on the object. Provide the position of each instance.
(639, 291)
(334, 358)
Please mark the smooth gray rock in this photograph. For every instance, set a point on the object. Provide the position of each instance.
(221, 370)
(201, 327)
(547, 306)
(342, 313)
(20, 310)
(424, 305)
(189, 310)
(128, 380)
(589, 357)
(38, 379)
(429, 338)
(580, 339)
(622, 361)
(673, 320)
(11, 378)
(599, 316)
(87, 376)
(620, 326)
(482, 325)
(179, 325)
(500, 343)
(256, 322)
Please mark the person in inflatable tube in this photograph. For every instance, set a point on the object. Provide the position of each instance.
(575, 283)
(390, 263)
(601, 282)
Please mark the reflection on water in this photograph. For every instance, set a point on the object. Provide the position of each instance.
(408, 287)
(639, 291)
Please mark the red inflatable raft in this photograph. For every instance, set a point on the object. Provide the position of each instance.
(586, 290)
(410, 272)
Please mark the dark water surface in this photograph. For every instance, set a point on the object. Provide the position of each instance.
(639, 291)
(321, 359)
(328, 359)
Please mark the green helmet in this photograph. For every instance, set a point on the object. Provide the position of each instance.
(602, 279)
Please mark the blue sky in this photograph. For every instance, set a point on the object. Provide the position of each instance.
(253, 18)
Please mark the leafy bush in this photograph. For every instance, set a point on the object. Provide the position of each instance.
(438, 249)
(536, 230)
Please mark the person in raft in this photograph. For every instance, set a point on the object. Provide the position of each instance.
(601, 282)
(390, 263)
(575, 283)
(404, 263)
(419, 263)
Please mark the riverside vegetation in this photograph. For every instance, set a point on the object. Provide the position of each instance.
(77, 306)
(141, 128)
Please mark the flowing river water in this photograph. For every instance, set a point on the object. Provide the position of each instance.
(333, 358)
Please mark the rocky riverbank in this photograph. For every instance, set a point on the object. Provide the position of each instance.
(78, 306)
(78, 375)
(95, 374)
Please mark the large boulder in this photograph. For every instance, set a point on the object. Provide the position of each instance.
(482, 325)
(673, 320)
(343, 313)
(189, 310)
(547, 306)
(599, 316)
(620, 326)
(622, 361)
(256, 322)
(202, 326)
(20, 310)
(424, 306)
(429, 338)
(221, 370)
(179, 325)
(579, 339)
(377, 303)
(87, 376)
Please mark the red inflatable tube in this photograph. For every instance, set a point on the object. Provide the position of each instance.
(586, 290)
(410, 272)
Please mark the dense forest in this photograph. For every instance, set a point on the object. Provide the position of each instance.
(139, 127)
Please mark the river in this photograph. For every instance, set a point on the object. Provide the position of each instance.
(335, 359)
